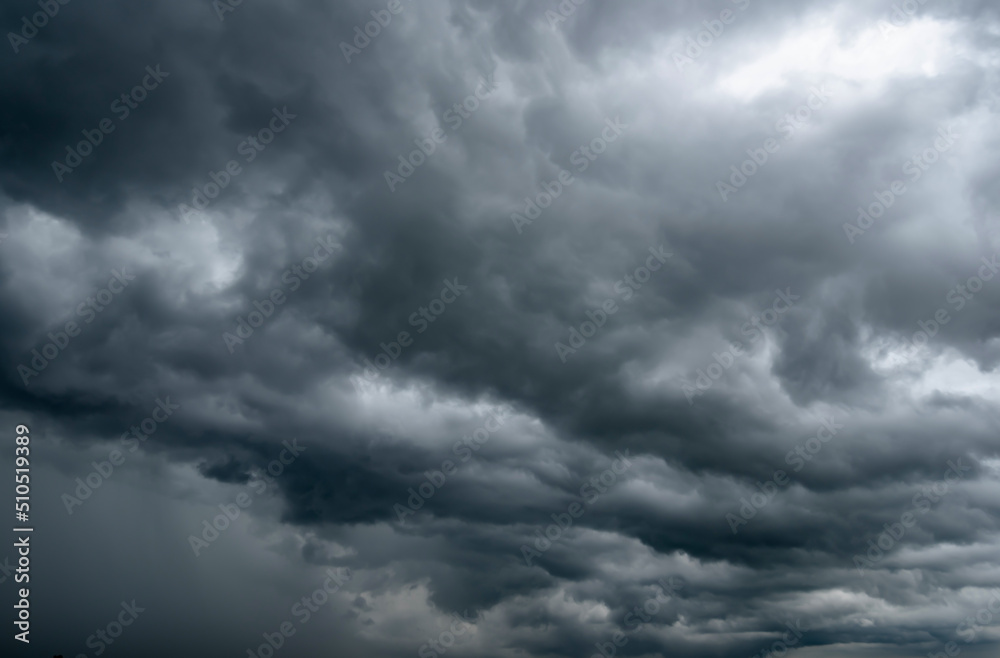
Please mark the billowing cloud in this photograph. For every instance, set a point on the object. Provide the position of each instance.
(505, 328)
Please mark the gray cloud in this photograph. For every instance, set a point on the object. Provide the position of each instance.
(380, 414)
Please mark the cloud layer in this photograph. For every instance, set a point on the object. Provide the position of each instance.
(577, 310)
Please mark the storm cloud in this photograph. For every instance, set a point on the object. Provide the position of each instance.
(504, 327)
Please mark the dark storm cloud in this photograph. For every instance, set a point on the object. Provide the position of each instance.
(312, 367)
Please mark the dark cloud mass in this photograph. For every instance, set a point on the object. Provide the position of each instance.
(505, 329)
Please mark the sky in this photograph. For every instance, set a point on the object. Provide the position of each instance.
(499, 329)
